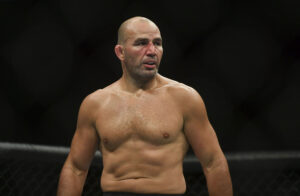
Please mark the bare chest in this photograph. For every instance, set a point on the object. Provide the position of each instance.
(153, 120)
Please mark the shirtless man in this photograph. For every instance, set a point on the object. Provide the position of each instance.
(143, 124)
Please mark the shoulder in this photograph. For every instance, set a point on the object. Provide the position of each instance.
(95, 100)
(182, 92)
(186, 97)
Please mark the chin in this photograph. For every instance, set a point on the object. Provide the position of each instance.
(151, 73)
(146, 76)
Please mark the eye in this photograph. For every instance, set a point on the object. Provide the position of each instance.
(158, 43)
(140, 43)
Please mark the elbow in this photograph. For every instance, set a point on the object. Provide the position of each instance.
(78, 172)
(217, 162)
(71, 167)
(75, 170)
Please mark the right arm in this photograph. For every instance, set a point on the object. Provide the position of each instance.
(84, 145)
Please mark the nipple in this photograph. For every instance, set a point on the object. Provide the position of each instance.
(105, 140)
(166, 135)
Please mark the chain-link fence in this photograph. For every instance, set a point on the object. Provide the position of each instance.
(34, 170)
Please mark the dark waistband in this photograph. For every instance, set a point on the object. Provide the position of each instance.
(137, 194)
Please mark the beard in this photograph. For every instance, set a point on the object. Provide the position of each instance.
(140, 73)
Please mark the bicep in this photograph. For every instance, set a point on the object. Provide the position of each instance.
(85, 140)
(200, 133)
(83, 148)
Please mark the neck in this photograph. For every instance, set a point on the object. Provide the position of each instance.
(133, 85)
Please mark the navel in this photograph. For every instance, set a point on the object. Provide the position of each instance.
(166, 135)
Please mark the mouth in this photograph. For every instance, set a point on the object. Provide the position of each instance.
(149, 64)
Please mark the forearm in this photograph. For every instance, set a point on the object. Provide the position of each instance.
(71, 182)
(218, 179)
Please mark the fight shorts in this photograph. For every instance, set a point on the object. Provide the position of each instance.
(136, 194)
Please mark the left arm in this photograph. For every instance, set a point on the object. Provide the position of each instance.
(203, 140)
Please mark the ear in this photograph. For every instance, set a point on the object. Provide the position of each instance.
(119, 52)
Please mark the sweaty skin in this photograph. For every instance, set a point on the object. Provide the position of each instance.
(143, 125)
(142, 139)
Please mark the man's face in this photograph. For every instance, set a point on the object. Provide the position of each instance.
(142, 50)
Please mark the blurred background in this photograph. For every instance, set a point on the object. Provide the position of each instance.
(243, 57)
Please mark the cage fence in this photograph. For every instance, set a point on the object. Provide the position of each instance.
(27, 169)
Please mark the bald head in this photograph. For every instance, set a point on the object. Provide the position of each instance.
(128, 24)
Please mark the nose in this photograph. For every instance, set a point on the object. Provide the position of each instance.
(150, 49)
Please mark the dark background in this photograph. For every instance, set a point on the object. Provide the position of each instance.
(243, 57)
